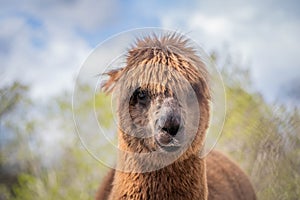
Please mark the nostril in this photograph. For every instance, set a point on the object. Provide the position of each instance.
(171, 126)
(165, 129)
(172, 130)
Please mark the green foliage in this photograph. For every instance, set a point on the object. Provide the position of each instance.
(71, 174)
(10, 96)
(16, 139)
(76, 177)
(263, 138)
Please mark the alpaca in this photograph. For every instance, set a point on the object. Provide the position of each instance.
(163, 106)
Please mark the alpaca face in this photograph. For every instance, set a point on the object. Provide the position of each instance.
(160, 115)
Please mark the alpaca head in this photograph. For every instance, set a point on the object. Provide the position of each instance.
(160, 117)
(162, 96)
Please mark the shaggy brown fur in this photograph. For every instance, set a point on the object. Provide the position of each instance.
(160, 65)
(225, 181)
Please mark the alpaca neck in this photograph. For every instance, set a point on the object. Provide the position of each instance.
(180, 180)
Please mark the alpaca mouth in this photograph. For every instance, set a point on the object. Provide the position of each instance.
(166, 142)
(168, 148)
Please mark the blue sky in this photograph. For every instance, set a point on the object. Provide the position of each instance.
(43, 43)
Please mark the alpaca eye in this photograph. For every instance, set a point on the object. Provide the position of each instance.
(142, 95)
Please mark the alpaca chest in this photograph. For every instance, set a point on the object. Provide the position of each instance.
(161, 184)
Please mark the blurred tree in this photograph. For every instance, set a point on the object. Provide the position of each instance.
(15, 154)
(72, 173)
(263, 138)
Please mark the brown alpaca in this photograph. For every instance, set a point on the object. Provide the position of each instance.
(157, 113)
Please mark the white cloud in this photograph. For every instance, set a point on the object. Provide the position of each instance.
(87, 15)
(47, 55)
(213, 26)
(49, 68)
(269, 40)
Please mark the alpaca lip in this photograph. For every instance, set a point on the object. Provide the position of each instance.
(168, 148)
(166, 142)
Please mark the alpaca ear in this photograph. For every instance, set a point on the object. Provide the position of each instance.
(114, 76)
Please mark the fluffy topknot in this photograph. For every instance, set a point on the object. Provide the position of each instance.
(157, 58)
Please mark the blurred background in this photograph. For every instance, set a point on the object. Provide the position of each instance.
(255, 45)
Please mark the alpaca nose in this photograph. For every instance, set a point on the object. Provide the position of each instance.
(172, 124)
